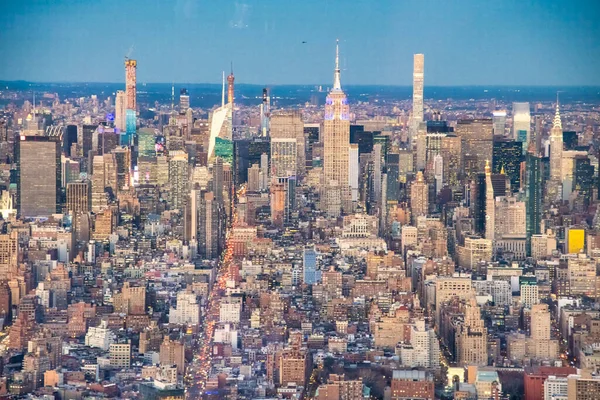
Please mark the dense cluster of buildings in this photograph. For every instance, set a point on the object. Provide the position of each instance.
(326, 253)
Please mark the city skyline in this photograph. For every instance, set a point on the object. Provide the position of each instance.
(190, 41)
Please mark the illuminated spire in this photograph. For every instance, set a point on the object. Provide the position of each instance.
(557, 123)
(488, 170)
(502, 171)
(337, 84)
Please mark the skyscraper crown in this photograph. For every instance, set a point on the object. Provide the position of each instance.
(337, 84)
(557, 123)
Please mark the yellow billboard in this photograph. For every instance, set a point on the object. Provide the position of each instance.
(575, 240)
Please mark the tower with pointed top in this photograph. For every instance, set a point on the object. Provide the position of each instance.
(490, 204)
(556, 155)
(336, 143)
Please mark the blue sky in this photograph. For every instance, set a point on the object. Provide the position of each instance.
(465, 42)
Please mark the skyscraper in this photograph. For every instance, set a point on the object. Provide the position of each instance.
(522, 123)
(230, 80)
(556, 155)
(208, 226)
(283, 157)
(120, 110)
(122, 157)
(184, 100)
(471, 337)
(220, 126)
(534, 196)
(451, 150)
(490, 204)
(70, 138)
(419, 197)
(38, 175)
(104, 176)
(287, 132)
(499, 120)
(507, 157)
(354, 171)
(130, 102)
(309, 261)
(130, 84)
(78, 197)
(418, 78)
(264, 113)
(477, 142)
(178, 178)
(336, 140)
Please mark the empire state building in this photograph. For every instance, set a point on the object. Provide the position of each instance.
(336, 144)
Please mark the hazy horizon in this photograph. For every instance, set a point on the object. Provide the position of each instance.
(470, 42)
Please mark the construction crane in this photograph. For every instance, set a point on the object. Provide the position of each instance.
(129, 52)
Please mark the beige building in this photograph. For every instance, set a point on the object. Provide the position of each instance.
(120, 355)
(542, 245)
(510, 217)
(471, 337)
(451, 151)
(474, 251)
(447, 288)
(338, 388)
(336, 142)
(9, 255)
(287, 144)
(172, 353)
(388, 331)
(293, 368)
(539, 345)
(583, 388)
(131, 300)
(582, 275)
(419, 197)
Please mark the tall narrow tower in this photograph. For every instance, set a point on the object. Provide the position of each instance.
(418, 77)
(230, 80)
(556, 149)
(130, 82)
(336, 142)
(490, 204)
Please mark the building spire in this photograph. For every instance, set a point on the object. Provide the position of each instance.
(557, 123)
(337, 85)
(223, 91)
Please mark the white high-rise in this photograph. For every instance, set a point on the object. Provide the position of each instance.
(522, 123)
(424, 348)
(418, 81)
(187, 311)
